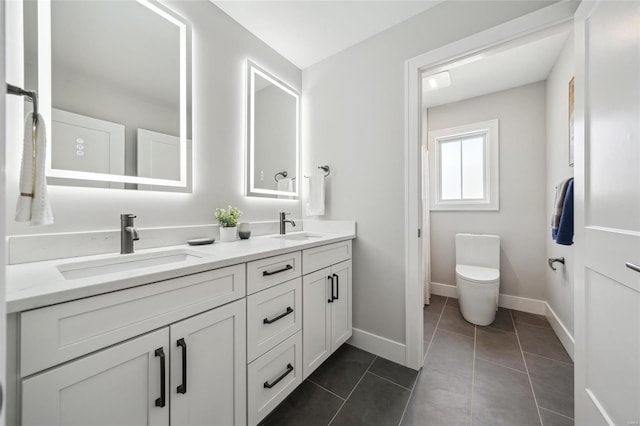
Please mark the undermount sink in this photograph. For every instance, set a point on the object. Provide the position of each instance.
(299, 236)
(126, 262)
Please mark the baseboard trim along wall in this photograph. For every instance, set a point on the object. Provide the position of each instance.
(377, 345)
(524, 304)
(561, 331)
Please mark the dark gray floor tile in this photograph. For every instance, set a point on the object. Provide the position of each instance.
(436, 303)
(341, 372)
(309, 404)
(451, 354)
(451, 302)
(502, 396)
(499, 347)
(552, 382)
(553, 419)
(397, 373)
(375, 401)
(503, 320)
(531, 319)
(542, 341)
(452, 321)
(439, 399)
(430, 322)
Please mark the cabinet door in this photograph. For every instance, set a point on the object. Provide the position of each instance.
(316, 316)
(341, 328)
(116, 386)
(208, 385)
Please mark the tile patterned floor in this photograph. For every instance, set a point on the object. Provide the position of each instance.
(514, 372)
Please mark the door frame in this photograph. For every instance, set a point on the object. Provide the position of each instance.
(528, 25)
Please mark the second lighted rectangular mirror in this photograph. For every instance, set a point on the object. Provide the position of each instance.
(273, 133)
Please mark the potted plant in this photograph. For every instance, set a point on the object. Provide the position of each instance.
(228, 219)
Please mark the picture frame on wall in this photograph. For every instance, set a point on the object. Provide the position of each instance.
(571, 109)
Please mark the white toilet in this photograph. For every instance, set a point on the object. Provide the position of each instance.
(478, 276)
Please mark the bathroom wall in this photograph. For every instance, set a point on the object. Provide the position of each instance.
(521, 221)
(559, 292)
(353, 120)
(220, 48)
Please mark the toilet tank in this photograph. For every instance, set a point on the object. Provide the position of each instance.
(478, 250)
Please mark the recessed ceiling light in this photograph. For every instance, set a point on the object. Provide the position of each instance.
(437, 81)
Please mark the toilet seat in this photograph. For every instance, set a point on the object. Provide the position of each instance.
(478, 274)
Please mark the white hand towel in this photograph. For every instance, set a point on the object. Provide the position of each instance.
(315, 195)
(285, 184)
(35, 207)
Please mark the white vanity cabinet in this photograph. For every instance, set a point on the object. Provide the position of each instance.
(327, 302)
(195, 365)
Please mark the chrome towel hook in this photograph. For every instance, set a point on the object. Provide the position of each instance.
(553, 260)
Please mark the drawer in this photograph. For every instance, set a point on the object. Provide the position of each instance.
(320, 257)
(265, 273)
(62, 332)
(273, 315)
(273, 376)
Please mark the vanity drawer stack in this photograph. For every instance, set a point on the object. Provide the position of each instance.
(274, 332)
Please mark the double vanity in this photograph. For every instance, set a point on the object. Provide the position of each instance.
(214, 334)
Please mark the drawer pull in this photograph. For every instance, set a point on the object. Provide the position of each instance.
(330, 278)
(268, 273)
(183, 387)
(282, 315)
(161, 402)
(276, 381)
(337, 296)
(632, 266)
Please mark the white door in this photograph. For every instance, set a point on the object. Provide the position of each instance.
(208, 368)
(316, 317)
(341, 306)
(607, 177)
(121, 385)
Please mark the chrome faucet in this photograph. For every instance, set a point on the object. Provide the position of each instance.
(128, 233)
(283, 222)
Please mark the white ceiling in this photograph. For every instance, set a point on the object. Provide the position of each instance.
(493, 72)
(306, 32)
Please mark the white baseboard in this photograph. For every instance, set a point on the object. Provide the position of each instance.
(378, 345)
(561, 331)
(524, 304)
(445, 290)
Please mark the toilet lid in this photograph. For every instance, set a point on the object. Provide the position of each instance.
(477, 274)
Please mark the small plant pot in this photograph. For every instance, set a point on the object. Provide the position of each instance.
(228, 234)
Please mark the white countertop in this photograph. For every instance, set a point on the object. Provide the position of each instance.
(38, 284)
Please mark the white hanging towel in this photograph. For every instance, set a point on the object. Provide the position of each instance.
(285, 184)
(315, 195)
(33, 201)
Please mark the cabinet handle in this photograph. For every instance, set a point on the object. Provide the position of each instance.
(632, 266)
(282, 315)
(183, 387)
(161, 402)
(267, 273)
(337, 287)
(330, 278)
(276, 381)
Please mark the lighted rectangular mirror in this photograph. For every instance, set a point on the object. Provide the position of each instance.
(273, 133)
(115, 92)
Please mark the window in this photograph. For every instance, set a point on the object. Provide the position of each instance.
(464, 169)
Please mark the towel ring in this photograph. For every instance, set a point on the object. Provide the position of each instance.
(284, 174)
(325, 169)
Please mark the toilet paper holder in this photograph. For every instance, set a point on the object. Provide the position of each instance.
(553, 260)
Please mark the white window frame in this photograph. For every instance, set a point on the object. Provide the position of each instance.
(491, 201)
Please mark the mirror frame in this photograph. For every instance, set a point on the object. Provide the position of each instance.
(252, 69)
(45, 97)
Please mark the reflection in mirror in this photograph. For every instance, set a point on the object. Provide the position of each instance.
(273, 136)
(113, 77)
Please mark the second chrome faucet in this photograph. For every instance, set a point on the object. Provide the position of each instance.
(128, 233)
(283, 222)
